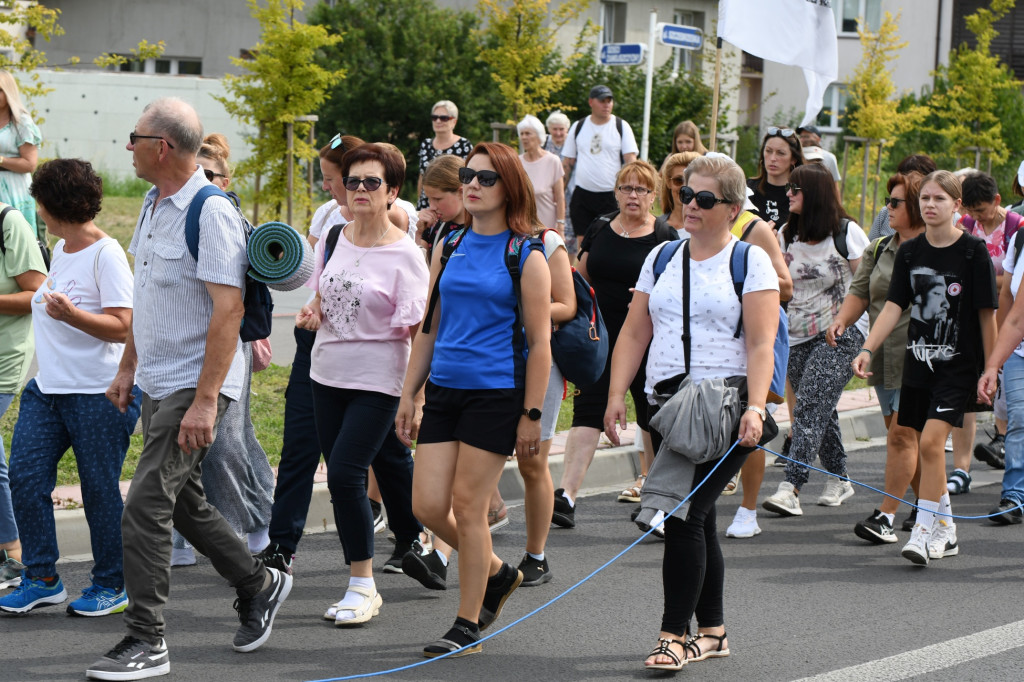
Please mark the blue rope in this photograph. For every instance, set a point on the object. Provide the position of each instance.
(882, 492)
(547, 604)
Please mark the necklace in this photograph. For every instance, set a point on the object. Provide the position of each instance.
(626, 233)
(375, 242)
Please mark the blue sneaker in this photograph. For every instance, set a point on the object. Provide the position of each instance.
(33, 592)
(98, 601)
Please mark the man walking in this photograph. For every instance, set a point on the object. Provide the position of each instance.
(184, 353)
(598, 146)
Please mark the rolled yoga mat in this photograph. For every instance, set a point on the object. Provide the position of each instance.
(279, 256)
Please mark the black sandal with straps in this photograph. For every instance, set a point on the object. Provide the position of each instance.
(663, 650)
(694, 653)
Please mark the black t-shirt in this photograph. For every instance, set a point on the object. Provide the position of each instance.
(944, 290)
(773, 204)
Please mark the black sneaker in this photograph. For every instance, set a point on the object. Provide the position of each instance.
(534, 572)
(564, 514)
(992, 453)
(256, 613)
(499, 587)
(786, 445)
(394, 564)
(876, 528)
(427, 568)
(379, 523)
(1008, 513)
(131, 659)
(911, 521)
(274, 556)
(635, 513)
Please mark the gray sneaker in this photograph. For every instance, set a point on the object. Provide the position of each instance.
(10, 570)
(131, 659)
(257, 613)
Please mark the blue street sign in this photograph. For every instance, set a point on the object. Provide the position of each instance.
(622, 54)
(685, 37)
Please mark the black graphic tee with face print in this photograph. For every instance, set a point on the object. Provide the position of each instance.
(944, 289)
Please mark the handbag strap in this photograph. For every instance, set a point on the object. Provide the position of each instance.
(686, 304)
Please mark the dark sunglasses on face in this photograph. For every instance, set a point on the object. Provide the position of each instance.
(132, 136)
(486, 178)
(784, 132)
(210, 175)
(705, 199)
(370, 184)
(894, 203)
(790, 187)
(441, 117)
(336, 142)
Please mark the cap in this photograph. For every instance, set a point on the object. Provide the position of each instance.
(809, 129)
(600, 92)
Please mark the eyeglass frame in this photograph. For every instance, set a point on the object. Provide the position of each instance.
(466, 176)
(894, 203)
(210, 175)
(626, 190)
(365, 182)
(443, 118)
(794, 188)
(132, 136)
(700, 197)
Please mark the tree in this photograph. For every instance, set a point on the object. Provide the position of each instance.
(285, 79)
(517, 44)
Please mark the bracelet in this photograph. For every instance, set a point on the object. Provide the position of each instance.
(868, 351)
(562, 221)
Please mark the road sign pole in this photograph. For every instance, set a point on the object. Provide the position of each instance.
(644, 146)
(714, 95)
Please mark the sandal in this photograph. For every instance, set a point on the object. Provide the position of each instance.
(663, 650)
(959, 482)
(732, 486)
(632, 493)
(497, 518)
(694, 653)
(367, 609)
(458, 641)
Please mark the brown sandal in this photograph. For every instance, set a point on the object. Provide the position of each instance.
(694, 653)
(663, 650)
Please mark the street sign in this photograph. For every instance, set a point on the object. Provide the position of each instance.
(684, 37)
(622, 54)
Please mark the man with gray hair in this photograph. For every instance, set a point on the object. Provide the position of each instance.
(189, 369)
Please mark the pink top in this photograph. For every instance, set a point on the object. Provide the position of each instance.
(363, 342)
(543, 173)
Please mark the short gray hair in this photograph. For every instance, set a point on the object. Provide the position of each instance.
(729, 176)
(558, 118)
(531, 122)
(178, 121)
(448, 106)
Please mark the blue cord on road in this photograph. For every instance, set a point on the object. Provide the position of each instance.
(547, 604)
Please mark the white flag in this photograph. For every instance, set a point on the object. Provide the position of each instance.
(794, 32)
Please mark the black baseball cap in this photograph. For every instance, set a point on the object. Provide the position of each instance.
(601, 92)
(809, 129)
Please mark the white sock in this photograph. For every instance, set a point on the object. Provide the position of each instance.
(538, 557)
(352, 599)
(444, 559)
(891, 518)
(926, 513)
(945, 508)
(572, 502)
(258, 540)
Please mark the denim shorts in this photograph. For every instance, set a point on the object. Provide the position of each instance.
(888, 399)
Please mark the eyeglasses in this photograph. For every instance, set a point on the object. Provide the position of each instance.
(790, 187)
(371, 184)
(784, 132)
(336, 142)
(132, 137)
(704, 199)
(626, 190)
(486, 178)
(677, 181)
(210, 175)
(894, 203)
(440, 117)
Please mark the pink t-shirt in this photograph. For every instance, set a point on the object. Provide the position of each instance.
(363, 342)
(543, 173)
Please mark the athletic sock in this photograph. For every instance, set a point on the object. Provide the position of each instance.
(572, 502)
(891, 518)
(945, 508)
(538, 557)
(352, 599)
(926, 513)
(444, 559)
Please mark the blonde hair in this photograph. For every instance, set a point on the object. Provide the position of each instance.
(690, 129)
(668, 193)
(443, 173)
(215, 148)
(947, 182)
(14, 103)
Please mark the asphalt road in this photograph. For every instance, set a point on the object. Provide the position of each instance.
(805, 600)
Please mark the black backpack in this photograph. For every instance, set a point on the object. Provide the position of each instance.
(618, 128)
(44, 250)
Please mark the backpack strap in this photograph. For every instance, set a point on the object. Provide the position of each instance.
(880, 244)
(450, 244)
(749, 228)
(686, 305)
(1012, 226)
(738, 270)
(618, 129)
(661, 260)
(192, 216)
(513, 257)
(332, 241)
(1018, 245)
(3, 217)
(839, 239)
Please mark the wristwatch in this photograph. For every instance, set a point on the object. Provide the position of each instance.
(533, 413)
(759, 411)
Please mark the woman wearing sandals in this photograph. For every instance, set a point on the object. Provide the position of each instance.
(484, 396)
(693, 566)
(370, 296)
(946, 279)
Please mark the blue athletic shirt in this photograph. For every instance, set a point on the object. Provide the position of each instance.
(473, 349)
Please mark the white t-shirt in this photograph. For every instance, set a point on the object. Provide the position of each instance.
(1016, 274)
(414, 216)
(598, 157)
(714, 313)
(97, 277)
(821, 278)
(327, 215)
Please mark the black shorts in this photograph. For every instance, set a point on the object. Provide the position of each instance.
(482, 418)
(944, 402)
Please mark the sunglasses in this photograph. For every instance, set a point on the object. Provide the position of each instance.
(132, 137)
(486, 178)
(440, 117)
(784, 132)
(894, 203)
(704, 199)
(210, 175)
(371, 184)
(677, 181)
(336, 142)
(626, 190)
(790, 187)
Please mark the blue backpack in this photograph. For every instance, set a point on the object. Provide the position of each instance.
(259, 305)
(738, 270)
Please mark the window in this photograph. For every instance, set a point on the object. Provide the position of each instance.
(172, 66)
(850, 12)
(613, 22)
(833, 108)
(686, 60)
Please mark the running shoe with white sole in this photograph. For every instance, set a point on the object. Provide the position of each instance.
(10, 570)
(131, 659)
(97, 600)
(33, 593)
(784, 501)
(916, 550)
(256, 613)
(744, 524)
(943, 539)
(836, 492)
(876, 528)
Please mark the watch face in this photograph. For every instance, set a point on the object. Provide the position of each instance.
(533, 414)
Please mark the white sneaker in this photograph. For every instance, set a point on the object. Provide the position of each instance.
(836, 491)
(916, 551)
(744, 524)
(784, 501)
(183, 556)
(943, 539)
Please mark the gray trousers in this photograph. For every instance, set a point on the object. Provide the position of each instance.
(167, 489)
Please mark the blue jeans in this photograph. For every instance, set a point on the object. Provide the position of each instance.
(48, 424)
(1013, 477)
(8, 527)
